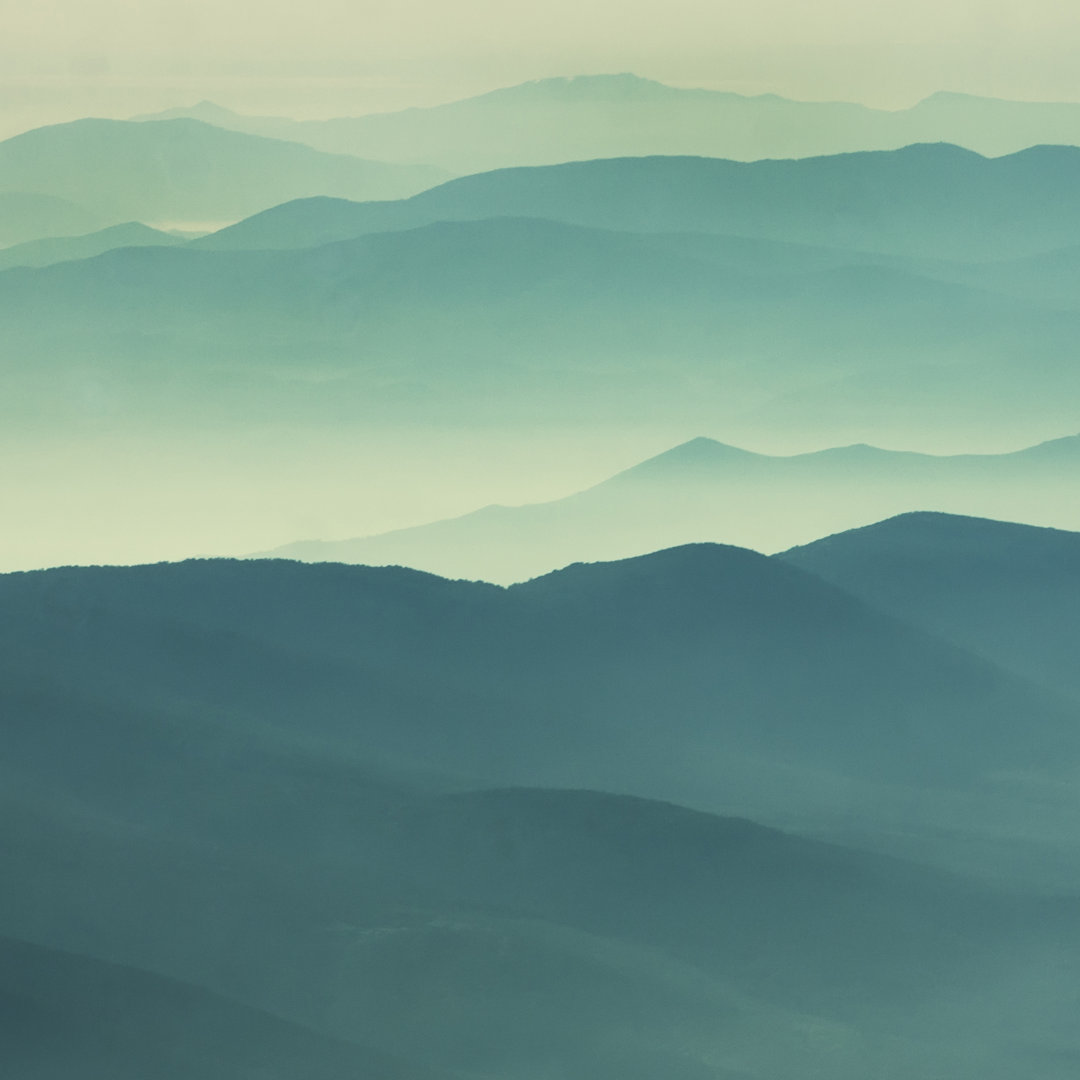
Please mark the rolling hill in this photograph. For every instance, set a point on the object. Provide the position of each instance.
(1007, 591)
(69, 248)
(923, 201)
(558, 120)
(456, 323)
(673, 656)
(510, 931)
(287, 785)
(705, 490)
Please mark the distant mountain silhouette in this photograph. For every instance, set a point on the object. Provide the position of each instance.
(185, 171)
(935, 201)
(67, 248)
(593, 116)
(706, 490)
(455, 322)
(1009, 592)
(25, 217)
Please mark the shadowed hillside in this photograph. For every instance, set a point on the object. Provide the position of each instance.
(272, 781)
(63, 1015)
(673, 657)
(1010, 592)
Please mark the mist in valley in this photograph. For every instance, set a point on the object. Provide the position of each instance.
(515, 569)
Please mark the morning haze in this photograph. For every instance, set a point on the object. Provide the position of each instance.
(332, 58)
(540, 542)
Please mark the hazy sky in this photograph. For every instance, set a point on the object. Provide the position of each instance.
(325, 56)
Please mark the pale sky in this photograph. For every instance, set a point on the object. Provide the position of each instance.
(60, 58)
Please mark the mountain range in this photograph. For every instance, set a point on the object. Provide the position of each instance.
(581, 789)
(705, 490)
(183, 171)
(418, 673)
(924, 201)
(558, 120)
(456, 323)
(1006, 591)
(57, 249)
(378, 820)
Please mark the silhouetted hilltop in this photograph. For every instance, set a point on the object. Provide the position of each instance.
(1010, 592)
(268, 779)
(656, 653)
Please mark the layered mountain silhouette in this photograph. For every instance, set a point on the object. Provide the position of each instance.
(567, 917)
(527, 321)
(1007, 591)
(557, 120)
(706, 490)
(936, 201)
(71, 248)
(675, 657)
(184, 171)
(642, 804)
(287, 786)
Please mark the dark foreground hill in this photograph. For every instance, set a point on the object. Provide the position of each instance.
(724, 679)
(307, 788)
(1007, 591)
(509, 932)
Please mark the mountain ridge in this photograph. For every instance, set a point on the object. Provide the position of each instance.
(707, 490)
(1006, 590)
(609, 115)
(928, 201)
(186, 170)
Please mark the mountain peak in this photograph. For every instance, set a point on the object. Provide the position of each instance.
(931, 530)
(700, 454)
(681, 568)
(622, 86)
(1067, 448)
